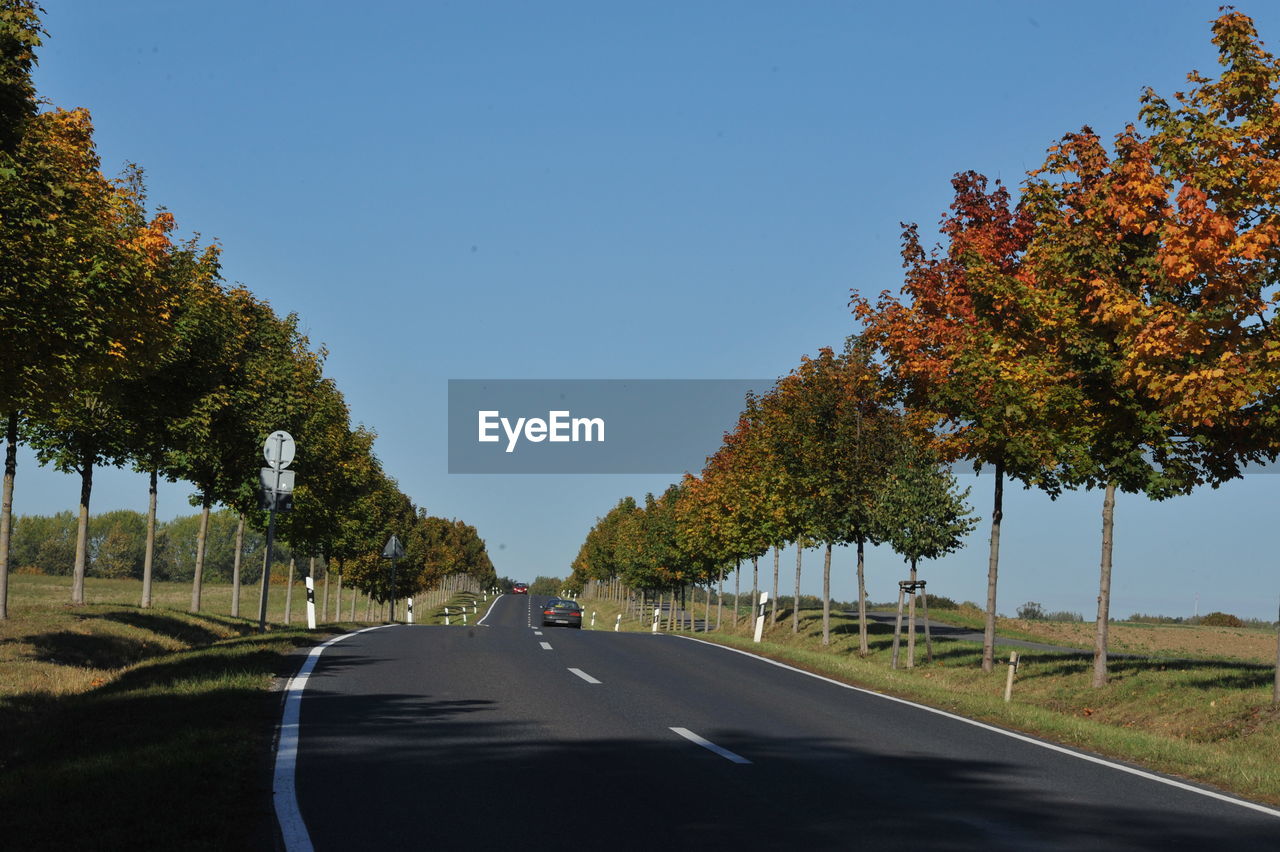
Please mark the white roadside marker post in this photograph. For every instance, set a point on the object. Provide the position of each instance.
(464, 615)
(410, 612)
(446, 616)
(593, 619)
(311, 603)
(656, 611)
(617, 624)
(764, 597)
(1008, 684)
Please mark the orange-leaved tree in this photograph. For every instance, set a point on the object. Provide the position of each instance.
(965, 349)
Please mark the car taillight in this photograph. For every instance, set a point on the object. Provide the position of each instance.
(548, 612)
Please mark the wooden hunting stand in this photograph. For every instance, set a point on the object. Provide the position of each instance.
(905, 588)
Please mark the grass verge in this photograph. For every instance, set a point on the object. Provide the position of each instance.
(125, 728)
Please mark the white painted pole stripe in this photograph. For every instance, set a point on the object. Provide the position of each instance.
(546, 646)
(710, 746)
(580, 673)
(284, 791)
(1091, 758)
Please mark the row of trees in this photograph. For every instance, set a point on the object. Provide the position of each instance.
(1113, 329)
(823, 459)
(123, 345)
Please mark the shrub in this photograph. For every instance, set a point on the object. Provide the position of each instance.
(1064, 616)
(1221, 619)
(941, 602)
(1031, 611)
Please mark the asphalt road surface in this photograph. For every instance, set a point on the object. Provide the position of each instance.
(495, 737)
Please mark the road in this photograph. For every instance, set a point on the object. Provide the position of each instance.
(495, 737)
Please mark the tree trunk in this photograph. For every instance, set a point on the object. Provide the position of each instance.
(993, 564)
(6, 509)
(235, 569)
(737, 595)
(288, 592)
(148, 559)
(82, 536)
(706, 616)
(755, 588)
(197, 582)
(354, 596)
(826, 596)
(337, 597)
(1104, 589)
(795, 608)
(911, 622)
(1275, 690)
(719, 596)
(863, 648)
(324, 601)
(773, 610)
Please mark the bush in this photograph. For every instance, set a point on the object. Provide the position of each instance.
(1221, 619)
(941, 602)
(1064, 616)
(1031, 611)
(1143, 618)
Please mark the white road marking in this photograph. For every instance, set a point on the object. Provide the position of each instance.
(546, 646)
(1031, 740)
(489, 611)
(285, 794)
(580, 673)
(710, 746)
(537, 633)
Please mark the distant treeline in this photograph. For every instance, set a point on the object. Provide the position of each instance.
(46, 544)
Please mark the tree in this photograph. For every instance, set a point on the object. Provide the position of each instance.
(921, 515)
(964, 350)
(832, 433)
(83, 429)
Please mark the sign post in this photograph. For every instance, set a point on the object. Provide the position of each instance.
(275, 492)
(393, 551)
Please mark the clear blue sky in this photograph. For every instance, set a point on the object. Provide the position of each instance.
(660, 190)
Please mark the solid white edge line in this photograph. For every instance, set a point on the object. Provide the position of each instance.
(1101, 761)
(283, 789)
(546, 646)
(710, 746)
(489, 611)
(580, 673)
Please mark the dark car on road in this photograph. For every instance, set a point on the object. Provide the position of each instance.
(558, 611)
(520, 589)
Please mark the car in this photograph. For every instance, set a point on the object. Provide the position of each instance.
(520, 589)
(560, 611)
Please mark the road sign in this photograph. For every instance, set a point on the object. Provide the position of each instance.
(276, 480)
(394, 549)
(278, 449)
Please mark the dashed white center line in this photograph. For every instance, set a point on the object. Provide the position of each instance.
(537, 633)
(710, 746)
(580, 673)
(546, 646)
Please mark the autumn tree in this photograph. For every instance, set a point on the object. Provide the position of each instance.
(831, 428)
(84, 428)
(967, 346)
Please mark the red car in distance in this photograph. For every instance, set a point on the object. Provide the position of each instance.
(520, 589)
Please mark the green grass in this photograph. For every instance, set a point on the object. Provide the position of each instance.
(123, 728)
